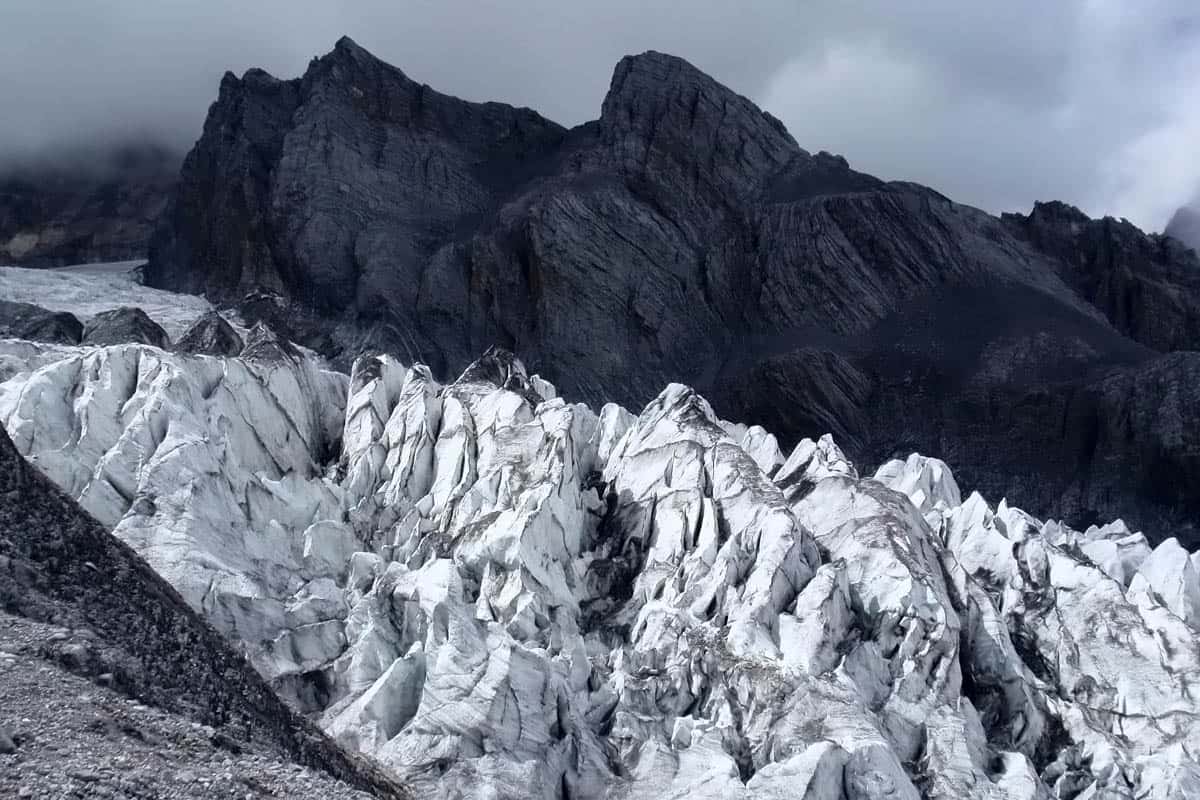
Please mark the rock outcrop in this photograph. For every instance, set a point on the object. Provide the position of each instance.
(1147, 286)
(210, 335)
(84, 207)
(27, 321)
(124, 325)
(685, 236)
(497, 593)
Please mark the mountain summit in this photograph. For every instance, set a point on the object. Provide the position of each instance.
(685, 236)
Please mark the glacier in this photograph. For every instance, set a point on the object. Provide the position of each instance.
(497, 593)
(89, 289)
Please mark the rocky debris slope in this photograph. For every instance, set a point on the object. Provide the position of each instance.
(497, 593)
(85, 206)
(123, 625)
(685, 236)
(71, 737)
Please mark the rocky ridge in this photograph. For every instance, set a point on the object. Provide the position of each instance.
(685, 236)
(495, 592)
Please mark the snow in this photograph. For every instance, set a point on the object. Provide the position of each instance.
(87, 289)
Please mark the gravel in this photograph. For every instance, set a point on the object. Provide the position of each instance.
(63, 736)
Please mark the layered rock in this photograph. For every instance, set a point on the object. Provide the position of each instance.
(497, 593)
(684, 236)
(1147, 286)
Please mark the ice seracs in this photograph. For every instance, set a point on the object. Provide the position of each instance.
(498, 593)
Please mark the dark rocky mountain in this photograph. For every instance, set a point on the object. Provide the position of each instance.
(684, 235)
(124, 626)
(1185, 226)
(84, 207)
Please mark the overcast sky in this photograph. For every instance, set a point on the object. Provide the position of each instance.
(997, 104)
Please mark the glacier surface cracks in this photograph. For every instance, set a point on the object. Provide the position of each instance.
(497, 593)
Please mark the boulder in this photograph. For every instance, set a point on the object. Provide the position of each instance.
(125, 325)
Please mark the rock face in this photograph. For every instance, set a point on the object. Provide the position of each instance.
(124, 325)
(210, 335)
(684, 236)
(1185, 226)
(1147, 286)
(497, 593)
(84, 207)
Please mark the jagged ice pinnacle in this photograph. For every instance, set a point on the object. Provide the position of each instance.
(497, 593)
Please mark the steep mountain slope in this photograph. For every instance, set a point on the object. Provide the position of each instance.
(57, 564)
(84, 207)
(500, 594)
(65, 731)
(684, 235)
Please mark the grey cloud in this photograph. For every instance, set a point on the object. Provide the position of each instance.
(1001, 104)
(996, 104)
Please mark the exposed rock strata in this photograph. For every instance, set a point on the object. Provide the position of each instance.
(684, 236)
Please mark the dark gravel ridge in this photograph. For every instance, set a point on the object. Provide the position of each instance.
(59, 566)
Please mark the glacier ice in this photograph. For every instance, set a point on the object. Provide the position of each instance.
(498, 593)
(89, 289)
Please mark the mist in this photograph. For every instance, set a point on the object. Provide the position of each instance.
(1093, 102)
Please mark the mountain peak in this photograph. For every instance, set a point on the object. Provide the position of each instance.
(662, 66)
(349, 61)
(347, 48)
(1057, 211)
(662, 110)
(659, 77)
